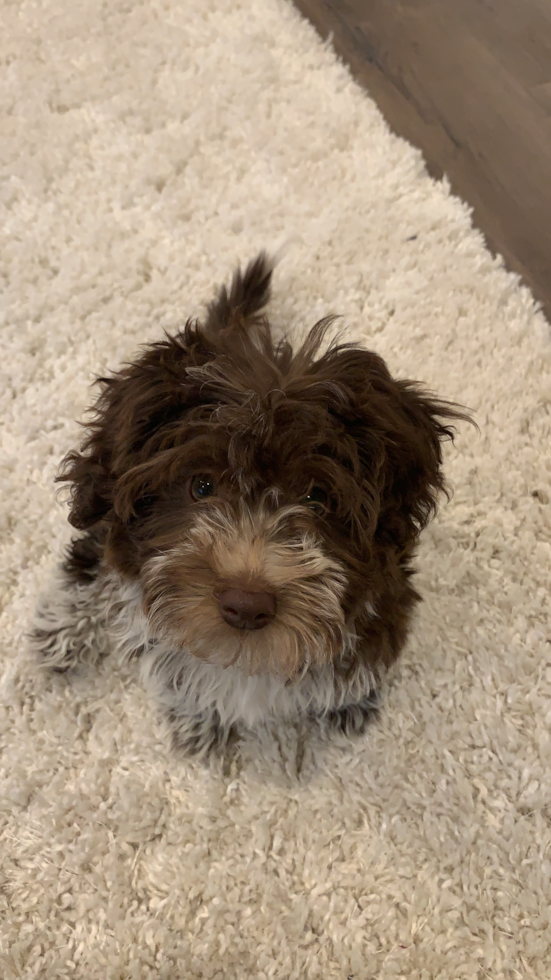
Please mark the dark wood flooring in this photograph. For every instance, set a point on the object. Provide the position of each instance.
(469, 83)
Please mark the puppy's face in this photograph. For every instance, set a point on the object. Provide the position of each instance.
(263, 498)
(255, 550)
(247, 581)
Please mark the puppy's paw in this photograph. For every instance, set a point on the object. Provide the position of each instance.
(202, 735)
(352, 719)
(68, 627)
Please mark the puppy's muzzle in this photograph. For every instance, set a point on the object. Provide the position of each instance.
(247, 610)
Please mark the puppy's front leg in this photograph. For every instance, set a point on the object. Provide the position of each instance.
(71, 615)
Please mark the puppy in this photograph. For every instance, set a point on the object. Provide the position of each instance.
(249, 515)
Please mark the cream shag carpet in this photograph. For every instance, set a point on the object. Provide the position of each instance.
(146, 146)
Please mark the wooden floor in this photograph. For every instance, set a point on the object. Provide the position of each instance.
(469, 82)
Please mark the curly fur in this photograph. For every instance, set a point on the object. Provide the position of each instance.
(267, 424)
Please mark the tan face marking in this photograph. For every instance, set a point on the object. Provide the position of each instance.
(276, 553)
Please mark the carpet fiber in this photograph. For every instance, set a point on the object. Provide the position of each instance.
(146, 147)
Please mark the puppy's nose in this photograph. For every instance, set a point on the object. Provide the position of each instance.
(247, 610)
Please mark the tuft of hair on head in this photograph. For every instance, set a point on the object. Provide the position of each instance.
(248, 294)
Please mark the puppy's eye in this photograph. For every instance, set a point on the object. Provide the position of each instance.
(202, 486)
(316, 500)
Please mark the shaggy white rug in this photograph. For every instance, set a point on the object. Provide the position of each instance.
(146, 146)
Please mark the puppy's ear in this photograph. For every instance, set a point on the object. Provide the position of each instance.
(398, 429)
(131, 420)
(420, 424)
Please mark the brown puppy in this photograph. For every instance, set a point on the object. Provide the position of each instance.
(250, 515)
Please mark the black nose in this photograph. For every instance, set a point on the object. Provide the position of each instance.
(247, 610)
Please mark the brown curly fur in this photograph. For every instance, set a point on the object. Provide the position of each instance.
(224, 397)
